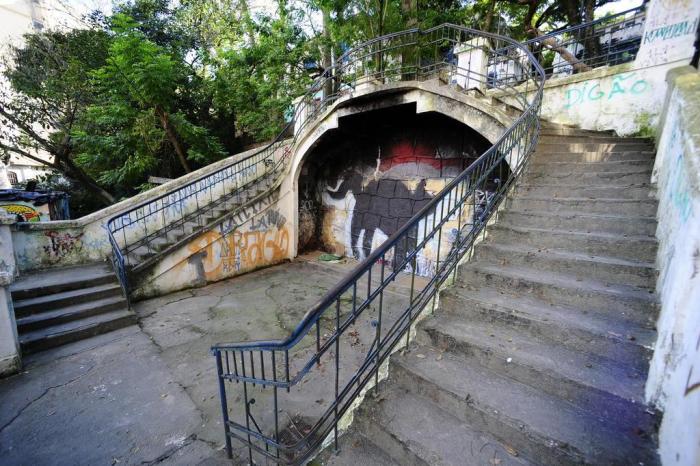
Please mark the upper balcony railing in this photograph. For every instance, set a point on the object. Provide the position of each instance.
(612, 40)
(289, 396)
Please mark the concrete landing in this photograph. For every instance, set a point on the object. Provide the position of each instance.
(147, 394)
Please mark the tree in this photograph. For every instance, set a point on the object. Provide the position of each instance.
(48, 89)
(260, 80)
(137, 119)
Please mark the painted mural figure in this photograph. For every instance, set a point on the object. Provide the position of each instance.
(381, 207)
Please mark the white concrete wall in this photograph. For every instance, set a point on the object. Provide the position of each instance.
(9, 344)
(628, 98)
(674, 377)
(71, 242)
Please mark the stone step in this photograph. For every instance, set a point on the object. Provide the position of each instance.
(355, 449)
(606, 335)
(159, 244)
(581, 222)
(61, 279)
(606, 269)
(416, 432)
(50, 337)
(559, 129)
(27, 307)
(637, 192)
(562, 290)
(587, 380)
(621, 178)
(555, 168)
(180, 232)
(70, 313)
(139, 255)
(548, 137)
(635, 248)
(593, 147)
(592, 157)
(627, 207)
(519, 415)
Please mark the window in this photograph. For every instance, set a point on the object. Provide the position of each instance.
(13, 178)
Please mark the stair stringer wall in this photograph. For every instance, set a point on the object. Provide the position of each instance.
(254, 236)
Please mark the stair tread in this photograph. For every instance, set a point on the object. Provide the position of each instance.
(567, 255)
(586, 369)
(586, 234)
(62, 276)
(563, 175)
(610, 326)
(588, 165)
(567, 281)
(73, 326)
(431, 433)
(71, 309)
(530, 185)
(356, 450)
(524, 407)
(588, 215)
(524, 197)
(47, 299)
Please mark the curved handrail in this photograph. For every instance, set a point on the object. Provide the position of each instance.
(466, 202)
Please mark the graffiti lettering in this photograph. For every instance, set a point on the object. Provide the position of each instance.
(218, 255)
(671, 31)
(593, 91)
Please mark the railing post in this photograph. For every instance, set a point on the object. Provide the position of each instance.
(224, 404)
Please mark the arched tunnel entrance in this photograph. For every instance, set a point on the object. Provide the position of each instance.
(363, 180)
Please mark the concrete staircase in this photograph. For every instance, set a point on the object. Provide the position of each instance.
(539, 353)
(165, 242)
(60, 306)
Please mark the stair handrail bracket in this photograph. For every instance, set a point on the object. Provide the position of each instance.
(265, 378)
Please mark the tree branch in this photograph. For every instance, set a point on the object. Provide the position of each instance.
(26, 154)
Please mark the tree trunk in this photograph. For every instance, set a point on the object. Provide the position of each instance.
(592, 45)
(551, 43)
(67, 166)
(327, 59)
(409, 54)
(488, 21)
(172, 136)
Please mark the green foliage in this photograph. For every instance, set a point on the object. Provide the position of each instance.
(259, 82)
(160, 87)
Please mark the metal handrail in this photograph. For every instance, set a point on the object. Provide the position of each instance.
(463, 207)
(609, 20)
(611, 40)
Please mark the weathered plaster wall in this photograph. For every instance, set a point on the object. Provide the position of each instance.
(674, 377)
(628, 98)
(669, 31)
(41, 245)
(257, 236)
(622, 98)
(10, 361)
(368, 178)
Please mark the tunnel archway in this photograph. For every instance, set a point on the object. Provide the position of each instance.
(364, 179)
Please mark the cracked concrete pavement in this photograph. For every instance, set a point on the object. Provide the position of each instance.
(148, 394)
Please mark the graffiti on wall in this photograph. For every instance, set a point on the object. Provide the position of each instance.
(234, 248)
(27, 212)
(366, 188)
(62, 244)
(679, 190)
(670, 31)
(599, 90)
